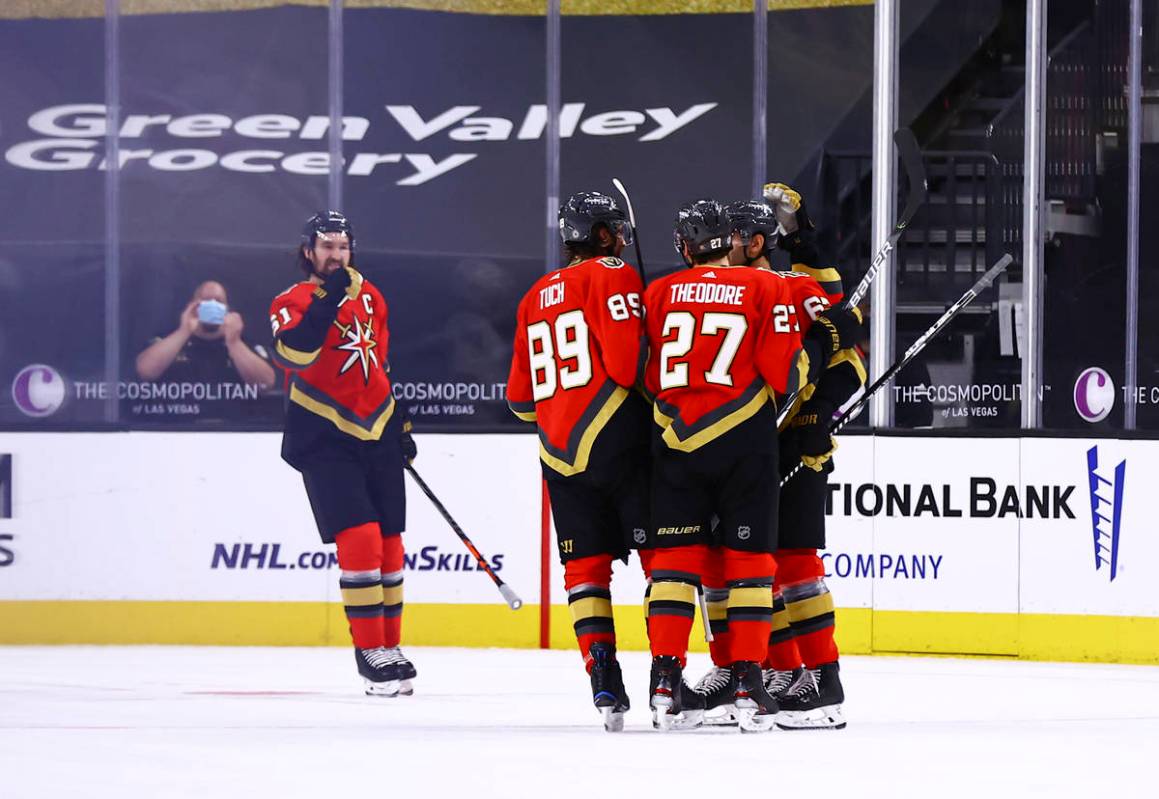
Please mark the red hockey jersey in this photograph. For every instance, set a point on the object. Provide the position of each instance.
(344, 381)
(814, 291)
(722, 340)
(578, 335)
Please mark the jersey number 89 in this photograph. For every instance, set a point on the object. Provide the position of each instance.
(569, 343)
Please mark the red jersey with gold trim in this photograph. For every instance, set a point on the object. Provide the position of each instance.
(344, 381)
(577, 351)
(815, 291)
(722, 340)
(810, 298)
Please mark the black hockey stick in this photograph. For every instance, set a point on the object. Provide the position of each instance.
(635, 235)
(983, 283)
(513, 601)
(915, 172)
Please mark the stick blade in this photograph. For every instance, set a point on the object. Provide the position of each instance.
(915, 171)
(627, 200)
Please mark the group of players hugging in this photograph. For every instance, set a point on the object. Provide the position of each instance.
(657, 412)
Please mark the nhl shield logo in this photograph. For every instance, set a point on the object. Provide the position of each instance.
(639, 536)
(743, 532)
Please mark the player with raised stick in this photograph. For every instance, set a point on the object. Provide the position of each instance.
(724, 342)
(575, 364)
(348, 439)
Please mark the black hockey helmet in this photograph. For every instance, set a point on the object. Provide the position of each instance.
(702, 224)
(749, 217)
(581, 212)
(326, 222)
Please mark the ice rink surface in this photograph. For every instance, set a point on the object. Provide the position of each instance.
(288, 722)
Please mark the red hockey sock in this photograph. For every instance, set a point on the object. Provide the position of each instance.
(360, 558)
(589, 598)
(716, 597)
(672, 599)
(749, 576)
(809, 604)
(392, 552)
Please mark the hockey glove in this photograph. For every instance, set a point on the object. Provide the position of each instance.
(308, 335)
(406, 441)
(810, 428)
(335, 285)
(786, 203)
(837, 329)
(798, 233)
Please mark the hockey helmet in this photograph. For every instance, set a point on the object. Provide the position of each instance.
(702, 224)
(749, 217)
(581, 212)
(326, 222)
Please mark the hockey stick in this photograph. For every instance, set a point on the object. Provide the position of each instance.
(635, 235)
(513, 600)
(983, 283)
(915, 172)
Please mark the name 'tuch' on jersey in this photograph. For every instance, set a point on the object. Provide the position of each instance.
(576, 356)
(721, 341)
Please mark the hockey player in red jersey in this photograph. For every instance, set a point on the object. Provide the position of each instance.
(573, 370)
(348, 439)
(811, 696)
(804, 437)
(723, 343)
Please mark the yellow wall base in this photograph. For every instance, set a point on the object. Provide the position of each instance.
(1123, 639)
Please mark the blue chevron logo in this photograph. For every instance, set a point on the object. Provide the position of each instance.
(1106, 511)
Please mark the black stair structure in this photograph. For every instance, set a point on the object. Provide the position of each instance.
(972, 139)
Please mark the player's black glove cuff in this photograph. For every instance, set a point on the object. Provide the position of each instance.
(801, 244)
(406, 442)
(811, 425)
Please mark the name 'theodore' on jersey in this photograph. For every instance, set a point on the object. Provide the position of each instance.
(345, 380)
(722, 341)
(576, 357)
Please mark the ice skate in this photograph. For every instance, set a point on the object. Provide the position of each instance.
(674, 705)
(755, 707)
(404, 670)
(814, 701)
(378, 672)
(778, 682)
(719, 690)
(608, 693)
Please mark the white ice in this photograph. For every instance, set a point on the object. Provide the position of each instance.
(286, 722)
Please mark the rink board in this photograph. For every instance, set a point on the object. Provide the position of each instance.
(972, 546)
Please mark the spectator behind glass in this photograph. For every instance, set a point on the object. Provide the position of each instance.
(207, 346)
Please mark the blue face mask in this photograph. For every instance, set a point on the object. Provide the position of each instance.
(211, 312)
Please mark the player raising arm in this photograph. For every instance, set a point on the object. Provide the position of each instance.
(723, 341)
(348, 439)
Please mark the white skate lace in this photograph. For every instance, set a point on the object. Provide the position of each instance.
(714, 680)
(807, 684)
(379, 657)
(395, 656)
(776, 680)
